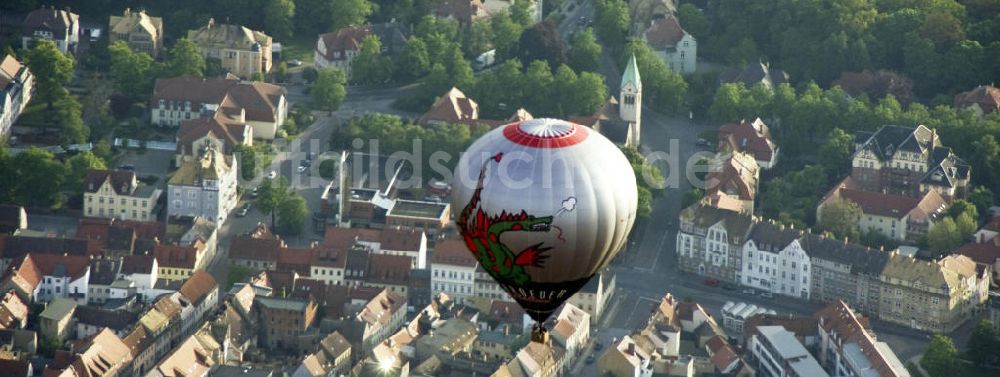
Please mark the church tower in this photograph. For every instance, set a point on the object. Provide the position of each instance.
(630, 101)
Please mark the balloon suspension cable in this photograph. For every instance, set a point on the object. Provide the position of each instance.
(539, 334)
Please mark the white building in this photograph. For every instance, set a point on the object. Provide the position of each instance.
(453, 270)
(774, 261)
(16, 87)
(673, 44)
(260, 106)
(411, 243)
(141, 270)
(777, 353)
(56, 25)
(571, 331)
(62, 276)
(734, 315)
(205, 187)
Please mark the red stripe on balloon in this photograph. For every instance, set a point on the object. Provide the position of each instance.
(514, 133)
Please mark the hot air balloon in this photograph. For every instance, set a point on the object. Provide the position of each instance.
(543, 205)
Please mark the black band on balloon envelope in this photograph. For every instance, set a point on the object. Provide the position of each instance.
(542, 299)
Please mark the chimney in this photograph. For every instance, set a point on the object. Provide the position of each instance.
(630, 349)
(845, 240)
(211, 22)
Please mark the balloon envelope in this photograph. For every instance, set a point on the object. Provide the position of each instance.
(544, 205)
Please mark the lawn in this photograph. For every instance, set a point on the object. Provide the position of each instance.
(299, 47)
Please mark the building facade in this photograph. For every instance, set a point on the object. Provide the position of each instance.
(205, 187)
(774, 261)
(243, 110)
(932, 296)
(59, 26)
(117, 194)
(140, 31)
(17, 84)
(710, 242)
(242, 52)
(453, 270)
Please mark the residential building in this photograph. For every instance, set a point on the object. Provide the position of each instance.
(62, 276)
(202, 292)
(228, 101)
(487, 288)
(841, 270)
(116, 238)
(462, 11)
(534, 8)
(100, 355)
(735, 315)
(213, 130)
(774, 261)
(671, 43)
(90, 320)
(338, 49)
(411, 243)
(141, 270)
(777, 353)
(571, 331)
(625, 359)
(932, 296)
(190, 358)
(983, 99)
(898, 217)
(24, 278)
(258, 250)
(332, 358)
(710, 241)
(140, 31)
(454, 337)
(17, 85)
(59, 26)
(13, 311)
(17, 368)
(909, 162)
(430, 217)
(242, 51)
(754, 74)
(378, 319)
(753, 138)
(453, 270)
(390, 272)
(454, 107)
(178, 263)
(595, 296)
(104, 284)
(55, 321)
(732, 182)
(204, 187)
(117, 194)
(283, 320)
(848, 346)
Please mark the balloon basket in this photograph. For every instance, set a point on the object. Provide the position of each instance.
(539, 334)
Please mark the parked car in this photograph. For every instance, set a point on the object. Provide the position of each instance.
(243, 210)
(749, 291)
(703, 143)
(253, 193)
(295, 62)
(712, 282)
(598, 346)
(590, 359)
(272, 174)
(302, 168)
(767, 295)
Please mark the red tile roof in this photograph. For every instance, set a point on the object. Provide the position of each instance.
(231, 134)
(73, 266)
(664, 33)
(253, 248)
(985, 253)
(895, 206)
(259, 100)
(123, 182)
(987, 97)
(389, 269)
(175, 256)
(13, 311)
(296, 259)
(453, 252)
(24, 273)
(137, 264)
(453, 107)
(735, 176)
(506, 312)
(750, 137)
(839, 318)
(346, 39)
(198, 286)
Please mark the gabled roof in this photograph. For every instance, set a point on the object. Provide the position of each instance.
(197, 287)
(380, 309)
(772, 237)
(259, 245)
(453, 107)
(123, 182)
(631, 75)
(103, 271)
(72, 266)
(117, 320)
(736, 176)
(849, 328)
(344, 39)
(259, 100)
(212, 165)
(175, 256)
(10, 70)
(987, 97)
(703, 216)
(13, 311)
(231, 134)
(58, 309)
(862, 260)
(463, 11)
(664, 33)
(57, 21)
(389, 269)
(453, 252)
(750, 137)
(137, 264)
(12, 247)
(225, 35)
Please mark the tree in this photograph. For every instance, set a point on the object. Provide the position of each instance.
(52, 71)
(589, 94)
(247, 161)
(185, 59)
(68, 118)
(961, 206)
(310, 74)
(612, 21)
(130, 70)
(983, 344)
(271, 194)
(506, 33)
(835, 154)
(644, 174)
(350, 12)
(664, 88)
(693, 19)
(415, 61)
(329, 91)
(39, 177)
(479, 38)
(370, 66)
(292, 214)
(542, 42)
(841, 218)
(77, 168)
(278, 18)
(520, 12)
(585, 53)
(982, 198)
(726, 105)
(328, 168)
(944, 236)
(941, 357)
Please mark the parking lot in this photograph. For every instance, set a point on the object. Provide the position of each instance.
(149, 162)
